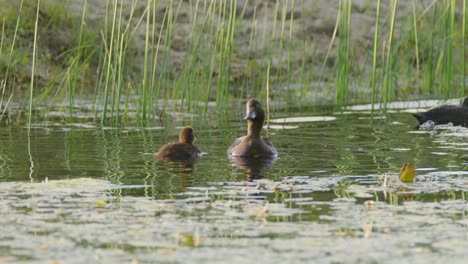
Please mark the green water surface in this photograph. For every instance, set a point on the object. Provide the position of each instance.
(79, 193)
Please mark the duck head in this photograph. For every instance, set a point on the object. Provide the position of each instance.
(186, 135)
(255, 117)
(254, 110)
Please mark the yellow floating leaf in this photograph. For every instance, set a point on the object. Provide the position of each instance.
(191, 240)
(100, 203)
(407, 173)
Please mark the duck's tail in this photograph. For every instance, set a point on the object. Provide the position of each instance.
(465, 102)
(420, 117)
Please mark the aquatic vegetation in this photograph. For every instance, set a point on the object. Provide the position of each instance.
(407, 173)
(388, 82)
(344, 50)
(238, 217)
(158, 56)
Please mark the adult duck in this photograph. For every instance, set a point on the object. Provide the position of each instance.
(181, 150)
(457, 115)
(253, 144)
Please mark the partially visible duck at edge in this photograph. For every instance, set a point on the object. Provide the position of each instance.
(253, 144)
(182, 150)
(457, 115)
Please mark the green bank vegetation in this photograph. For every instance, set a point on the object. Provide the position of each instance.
(133, 60)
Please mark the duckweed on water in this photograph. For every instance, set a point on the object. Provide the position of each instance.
(60, 220)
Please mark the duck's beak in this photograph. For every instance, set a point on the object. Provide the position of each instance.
(250, 115)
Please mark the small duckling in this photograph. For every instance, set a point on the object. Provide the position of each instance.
(182, 150)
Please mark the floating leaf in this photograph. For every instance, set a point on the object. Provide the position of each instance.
(407, 173)
(100, 203)
(191, 240)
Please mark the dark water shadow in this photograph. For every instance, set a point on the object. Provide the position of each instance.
(178, 166)
(253, 165)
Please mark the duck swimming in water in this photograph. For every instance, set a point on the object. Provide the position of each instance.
(253, 144)
(457, 115)
(182, 150)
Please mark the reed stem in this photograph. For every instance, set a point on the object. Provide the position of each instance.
(33, 65)
(388, 72)
(374, 56)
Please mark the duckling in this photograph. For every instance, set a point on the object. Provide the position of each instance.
(182, 150)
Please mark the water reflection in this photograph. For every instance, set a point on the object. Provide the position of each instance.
(253, 165)
(178, 166)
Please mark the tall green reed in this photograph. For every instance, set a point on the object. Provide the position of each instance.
(156, 39)
(75, 68)
(343, 60)
(4, 82)
(327, 55)
(448, 31)
(6, 79)
(33, 66)
(194, 81)
(387, 86)
(282, 42)
(416, 46)
(206, 72)
(267, 85)
(107, 84)
(31, 91)
(420, 62)
(374, 56)
(147, 83)
(214, 36)
(464, 43)
(116, 37)
(225, 49)
(429, 75)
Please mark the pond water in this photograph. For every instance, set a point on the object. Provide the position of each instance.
(76, 193)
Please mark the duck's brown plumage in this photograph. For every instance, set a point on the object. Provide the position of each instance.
(182, 150)
(253, 144)
(457, 115)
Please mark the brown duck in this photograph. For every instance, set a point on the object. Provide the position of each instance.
(253, 144)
